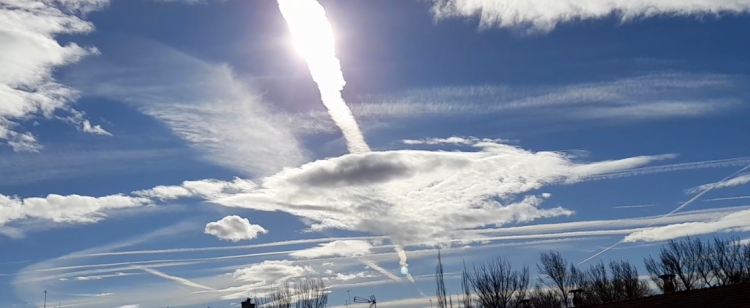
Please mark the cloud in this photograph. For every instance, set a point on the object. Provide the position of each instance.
(271, 273)
(65, 209)
(234, 228)
(545, 15)
(424, 194)
(340, 248)
(741, 179)
(130, 306)
(99, 277)
(645, 97)
(29, 54)
(179, 280)
(207, 105)
(739, 221)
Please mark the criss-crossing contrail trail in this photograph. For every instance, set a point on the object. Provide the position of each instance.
(313, 38)
(673, 211)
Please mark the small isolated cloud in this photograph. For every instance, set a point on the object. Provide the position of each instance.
(234, 228)
(738, 221)
(343, 248)
(741, 179)
(28, 55)
(130, 306)
(545, 15)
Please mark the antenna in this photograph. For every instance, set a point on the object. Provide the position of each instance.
(373, 303)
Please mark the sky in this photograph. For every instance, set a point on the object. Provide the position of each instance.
(189, 153)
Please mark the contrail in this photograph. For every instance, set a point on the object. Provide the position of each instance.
(714, 185)
(179, 280)
(313, 38)
(402, 261)
(383, 271)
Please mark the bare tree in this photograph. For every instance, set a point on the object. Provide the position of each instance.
(308, 292)
(466, 299)
(311, 293)
(727, 263)
(621, 282)
(680, 259)
(497, 285)
(440, 293)
(544, 298)
(559, 275)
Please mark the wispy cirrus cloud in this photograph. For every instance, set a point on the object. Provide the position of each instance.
(29, 53)
(741, 179)
(738, 221)
(545, 15)
(205, 104)
(637, 98)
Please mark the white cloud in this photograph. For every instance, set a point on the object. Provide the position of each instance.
(130, 306)
(271, 273)
(545, 15)
(207, 189)
(206, 104)
(234, 228)
(65, 209)
(99, 277)
(633, 98)
(28, 55)
(421, 195)
(340, 248)
(741, 179)
(738, 221)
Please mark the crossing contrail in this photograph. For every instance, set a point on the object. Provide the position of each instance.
(714, 185)
(313, 38)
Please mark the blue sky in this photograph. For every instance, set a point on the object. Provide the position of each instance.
(179, 153)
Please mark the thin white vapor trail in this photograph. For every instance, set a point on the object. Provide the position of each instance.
(728, 198)
(673, 211)
(179, 280)
(720, 163)
(313, 37)
(383, 271)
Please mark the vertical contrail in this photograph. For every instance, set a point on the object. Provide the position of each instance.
(313, 38)
(402, 261)
(673, 211)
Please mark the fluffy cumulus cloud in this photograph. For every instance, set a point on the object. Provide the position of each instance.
(738, 221)
(28, 55)
(65, 209)
(342, 248)
(234, 228)
(545, 15)
(741, 179)
(418, 196)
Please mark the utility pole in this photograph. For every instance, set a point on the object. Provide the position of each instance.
(350, 298)
(45, 298)
(431, 303)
